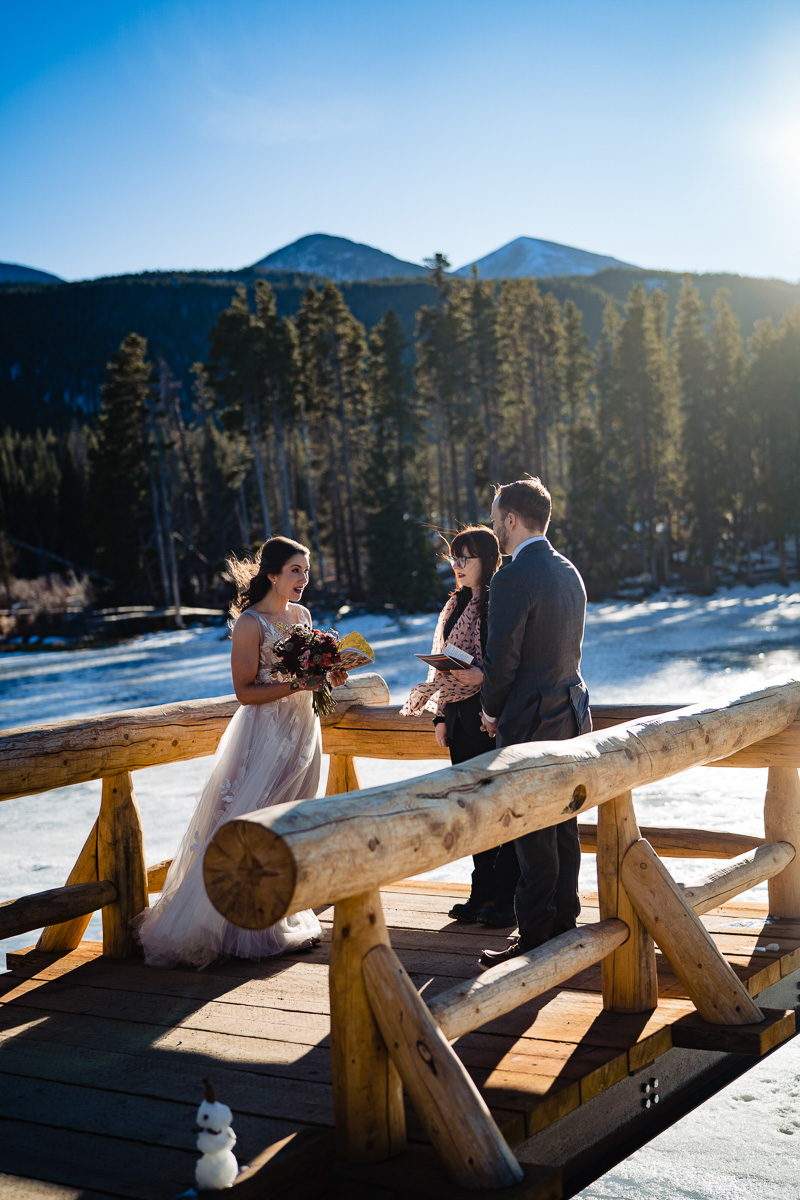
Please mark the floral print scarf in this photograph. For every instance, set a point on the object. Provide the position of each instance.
(446, 687)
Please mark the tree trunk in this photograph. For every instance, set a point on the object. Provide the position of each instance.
(348, 475)
(159, 528)
(244, 520)
(312, 504)
(255, 443)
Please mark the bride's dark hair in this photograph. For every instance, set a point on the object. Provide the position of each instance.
(252, 575)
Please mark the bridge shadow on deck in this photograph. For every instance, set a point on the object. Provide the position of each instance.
(102, 1061)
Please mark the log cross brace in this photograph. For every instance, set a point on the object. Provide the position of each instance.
(447, 1102)
(670, 919)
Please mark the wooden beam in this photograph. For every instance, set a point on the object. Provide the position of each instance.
(120, 858)
(41, 757)
(157, 874)
(630, 982)
(693, 1033)
(447, 1102)
(342, 775)
(682, 843)
(367, 1092)
(291, 857)
(53, 906)
(711, 983)
(59, 939)
(737, 877)
(782, 823)
(501, 989)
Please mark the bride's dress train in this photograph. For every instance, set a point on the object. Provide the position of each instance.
(269, 754)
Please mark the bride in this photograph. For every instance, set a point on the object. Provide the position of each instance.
(269, 754)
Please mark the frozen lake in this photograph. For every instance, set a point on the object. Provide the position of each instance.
(740, 1144)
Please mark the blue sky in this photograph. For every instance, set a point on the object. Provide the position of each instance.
(140, 136)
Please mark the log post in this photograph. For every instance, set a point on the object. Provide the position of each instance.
(120, 859)
(782, 824)
(630, 982)
(448, 1104)
(60, 939)
(367, 1092)
(712, 984)
(342, 775)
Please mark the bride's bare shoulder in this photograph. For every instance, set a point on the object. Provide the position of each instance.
(246, 631)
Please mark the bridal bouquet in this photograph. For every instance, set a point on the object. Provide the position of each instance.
(310, 654)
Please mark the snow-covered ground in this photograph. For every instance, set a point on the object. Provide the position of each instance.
(669, 649)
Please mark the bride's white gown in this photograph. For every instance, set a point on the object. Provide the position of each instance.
(269, 754)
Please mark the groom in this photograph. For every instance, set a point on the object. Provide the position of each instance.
(533, 691)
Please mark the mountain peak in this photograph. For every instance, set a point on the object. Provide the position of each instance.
(336, 258)
(14, 273)
(527, 256)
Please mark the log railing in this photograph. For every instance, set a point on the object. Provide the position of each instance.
(110, 873)
(344, 847)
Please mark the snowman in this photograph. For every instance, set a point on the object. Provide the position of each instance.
(218, 1167)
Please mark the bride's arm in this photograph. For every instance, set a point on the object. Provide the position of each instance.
(244, 668)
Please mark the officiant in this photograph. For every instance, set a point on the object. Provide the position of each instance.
(453, 697)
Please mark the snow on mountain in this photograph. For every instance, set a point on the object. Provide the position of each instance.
(338, 259)
(14, 273)
(531, 256)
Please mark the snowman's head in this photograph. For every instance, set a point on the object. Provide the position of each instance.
(211, 1114)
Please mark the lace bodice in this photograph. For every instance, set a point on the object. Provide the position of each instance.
(268, 635)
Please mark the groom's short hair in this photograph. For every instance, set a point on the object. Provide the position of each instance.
(529, 499)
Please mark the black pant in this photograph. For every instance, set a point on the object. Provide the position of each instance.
(547, 901)
(495, 874)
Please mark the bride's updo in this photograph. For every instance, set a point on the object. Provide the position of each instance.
(252, 575)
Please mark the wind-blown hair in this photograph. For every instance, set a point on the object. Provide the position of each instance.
(480, 542)
(252, 575)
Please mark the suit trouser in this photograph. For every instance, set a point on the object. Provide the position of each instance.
(496, 871)
(546, 900)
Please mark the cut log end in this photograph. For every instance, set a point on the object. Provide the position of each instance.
(250, 874)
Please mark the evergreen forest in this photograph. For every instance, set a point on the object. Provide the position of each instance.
(668, 436)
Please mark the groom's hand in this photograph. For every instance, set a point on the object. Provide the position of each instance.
(488, 725)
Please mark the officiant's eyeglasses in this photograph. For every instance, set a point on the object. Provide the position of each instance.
(460, 560)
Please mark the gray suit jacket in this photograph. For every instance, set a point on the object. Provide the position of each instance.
(531, 669)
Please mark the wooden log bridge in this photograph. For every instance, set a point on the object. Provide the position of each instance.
(528, 1080)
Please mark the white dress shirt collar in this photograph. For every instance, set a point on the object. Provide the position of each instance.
(539, 537)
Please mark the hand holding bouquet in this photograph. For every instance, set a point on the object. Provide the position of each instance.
(313, 655)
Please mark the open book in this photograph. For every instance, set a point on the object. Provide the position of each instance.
(451, 659)
(354, 652)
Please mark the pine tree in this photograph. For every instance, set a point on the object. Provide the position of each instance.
(235, 370)
(727, 374)
(773, 386)
(702, 431)
(640, 414)
(121, 520)
(401, 561)
(481, 432)
(518, 303)
(443, 383)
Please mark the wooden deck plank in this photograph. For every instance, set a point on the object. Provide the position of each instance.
(86, 1044)
(14, 1187)
(114, 1166)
